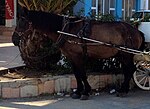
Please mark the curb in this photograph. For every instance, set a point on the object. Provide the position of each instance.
(32, 87)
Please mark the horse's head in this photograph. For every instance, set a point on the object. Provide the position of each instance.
(47, 23)
(23, 25)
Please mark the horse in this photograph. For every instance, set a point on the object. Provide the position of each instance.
(76, 49)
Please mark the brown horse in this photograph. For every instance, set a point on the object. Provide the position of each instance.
(118, 33)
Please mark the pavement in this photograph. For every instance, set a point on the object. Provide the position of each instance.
(135, 100)
(9, 56)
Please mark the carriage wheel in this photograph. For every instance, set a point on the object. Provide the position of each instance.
(142, 75)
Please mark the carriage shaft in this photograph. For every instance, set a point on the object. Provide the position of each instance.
(125, 49)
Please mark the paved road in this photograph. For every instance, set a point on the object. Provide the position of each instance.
(9, 56)
(135, 100)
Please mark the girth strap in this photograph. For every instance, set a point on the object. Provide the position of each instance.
(83, 33)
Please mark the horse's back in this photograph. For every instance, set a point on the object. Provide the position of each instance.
(119, 33)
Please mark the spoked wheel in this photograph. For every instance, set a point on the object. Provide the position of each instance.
(142, 75)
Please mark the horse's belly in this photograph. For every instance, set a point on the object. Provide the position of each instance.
(101, 51)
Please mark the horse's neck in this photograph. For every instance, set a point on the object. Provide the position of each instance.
(46, 23)
(53, 36)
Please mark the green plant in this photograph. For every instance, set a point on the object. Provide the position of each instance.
(103, 18)
(136, 20)
(107, 18)
(146, 18)
(55, 6)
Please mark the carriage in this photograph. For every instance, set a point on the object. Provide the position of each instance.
(142, 74)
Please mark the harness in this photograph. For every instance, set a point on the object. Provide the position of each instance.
(82, 33)
(61, 40)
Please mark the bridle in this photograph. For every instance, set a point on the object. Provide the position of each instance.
(30, 28)
(61, 38)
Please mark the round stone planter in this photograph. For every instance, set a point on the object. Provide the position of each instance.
(52, 84)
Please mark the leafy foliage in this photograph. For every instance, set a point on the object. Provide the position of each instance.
(136, 20)
(103, 18)
(54, 6)
(146, 18)
(107, 18)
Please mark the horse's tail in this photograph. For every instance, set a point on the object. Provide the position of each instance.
(142, 47)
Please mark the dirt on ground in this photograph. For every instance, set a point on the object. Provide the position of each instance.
(22, 73)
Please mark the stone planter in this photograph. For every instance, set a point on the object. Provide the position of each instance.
(31, 87)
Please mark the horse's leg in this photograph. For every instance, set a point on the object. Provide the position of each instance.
(83, 86)
(80, 87)
(87, 87)
(128, 70)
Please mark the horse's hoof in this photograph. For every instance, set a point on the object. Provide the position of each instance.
(121, 94)
(76, 96)
(84, 97)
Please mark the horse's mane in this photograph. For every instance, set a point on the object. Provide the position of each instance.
(48, 21)
(45, 21)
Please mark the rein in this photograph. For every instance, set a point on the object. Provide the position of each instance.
(30, 28)
(61, 40)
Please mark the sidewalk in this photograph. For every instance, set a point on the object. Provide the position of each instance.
(9, 56)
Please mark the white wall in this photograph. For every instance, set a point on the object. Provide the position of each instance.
(144, 4)
(12, 22)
